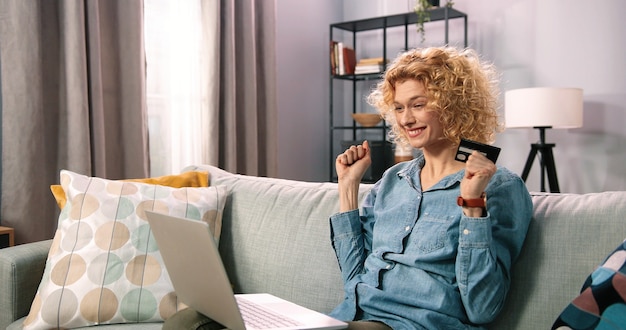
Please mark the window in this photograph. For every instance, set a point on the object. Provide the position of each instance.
(177, 103)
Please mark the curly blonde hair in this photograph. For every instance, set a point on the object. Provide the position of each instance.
(460, 87)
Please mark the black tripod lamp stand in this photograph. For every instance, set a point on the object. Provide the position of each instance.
(543, 108)
(546, 161)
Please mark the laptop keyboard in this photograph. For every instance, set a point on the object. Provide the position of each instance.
(258, 317)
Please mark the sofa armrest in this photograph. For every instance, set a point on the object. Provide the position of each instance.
(21, 269)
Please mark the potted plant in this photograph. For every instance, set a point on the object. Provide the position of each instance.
(422, 9)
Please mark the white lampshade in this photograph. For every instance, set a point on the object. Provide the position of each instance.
(544, 107)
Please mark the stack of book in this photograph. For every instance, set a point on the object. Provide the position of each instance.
(370, 65)
(342, 59)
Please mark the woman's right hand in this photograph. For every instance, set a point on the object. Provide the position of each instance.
(352, 163)
(351, 166)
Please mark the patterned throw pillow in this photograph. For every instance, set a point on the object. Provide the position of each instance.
(602, 301)
(104, 266)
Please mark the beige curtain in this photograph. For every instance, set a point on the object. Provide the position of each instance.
(73, 97)
(244, 128)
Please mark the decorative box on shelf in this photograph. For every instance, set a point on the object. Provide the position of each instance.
(6, 237)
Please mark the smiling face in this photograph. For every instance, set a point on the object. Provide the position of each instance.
(418, 124)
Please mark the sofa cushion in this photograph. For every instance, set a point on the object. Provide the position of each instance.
(104, 266)
(568, 236)
(602, 301)
(276, 238)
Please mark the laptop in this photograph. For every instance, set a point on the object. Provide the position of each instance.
(199, 278)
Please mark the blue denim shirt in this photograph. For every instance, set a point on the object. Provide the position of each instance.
(413, 260)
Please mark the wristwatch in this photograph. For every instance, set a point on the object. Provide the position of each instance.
(473, 202)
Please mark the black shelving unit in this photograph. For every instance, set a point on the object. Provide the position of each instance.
(382, 156)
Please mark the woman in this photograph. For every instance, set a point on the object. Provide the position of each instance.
(414, 258)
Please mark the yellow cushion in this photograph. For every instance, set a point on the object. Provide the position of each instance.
(187, 179)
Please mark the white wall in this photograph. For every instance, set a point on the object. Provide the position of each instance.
(559, 43)
(303, 91)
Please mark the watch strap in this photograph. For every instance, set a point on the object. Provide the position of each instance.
(473, 202)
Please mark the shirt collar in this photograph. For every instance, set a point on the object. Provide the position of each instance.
(411, 173)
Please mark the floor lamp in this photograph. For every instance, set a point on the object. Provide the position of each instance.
(543, 108)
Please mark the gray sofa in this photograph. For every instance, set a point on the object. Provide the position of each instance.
(275, 238)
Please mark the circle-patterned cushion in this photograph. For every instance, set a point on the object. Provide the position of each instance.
(104, 266)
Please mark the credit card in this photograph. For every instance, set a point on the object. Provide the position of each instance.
(466, 147)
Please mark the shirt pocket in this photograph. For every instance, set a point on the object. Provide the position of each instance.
(431, 233)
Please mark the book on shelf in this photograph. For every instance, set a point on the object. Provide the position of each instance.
(363, 69)
(370, 65)
(333, 57)
(342, 59)
(371, 60)
(349, 60)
